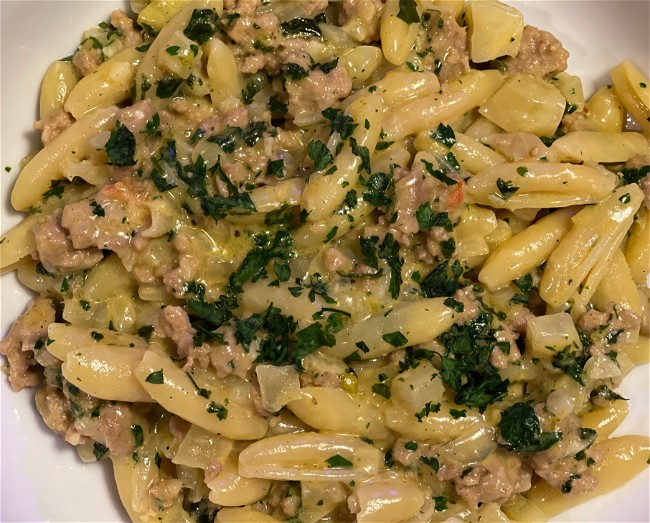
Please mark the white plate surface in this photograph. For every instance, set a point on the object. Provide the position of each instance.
(41, 477)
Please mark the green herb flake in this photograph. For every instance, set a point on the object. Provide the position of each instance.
(138, 435)
(396, 339)
(521, 429)
(445, 135)
(337, 461)
(218, 409)
(202, 26)
(156, 378)
(120, 147)
(506, 188)
(408, 12)
(382, 389)
(438, 174)
(320, 154)
(99, 450)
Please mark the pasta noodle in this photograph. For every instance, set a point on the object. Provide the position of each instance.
(329, 261)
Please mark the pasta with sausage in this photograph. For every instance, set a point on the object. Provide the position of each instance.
(311, 261)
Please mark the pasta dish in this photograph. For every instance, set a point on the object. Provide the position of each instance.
(363, 261)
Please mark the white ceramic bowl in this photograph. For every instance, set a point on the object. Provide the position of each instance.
(42, 479)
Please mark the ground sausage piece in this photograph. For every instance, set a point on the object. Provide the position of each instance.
(361, 19)
(111, 428)
(53, 407)
(130, 35)
(494, 480)
(19, 345)
(319, 90)
(540, 54)
(87, 59)
(445, 47)
(55, 250)
(165, 493)
(53, 125)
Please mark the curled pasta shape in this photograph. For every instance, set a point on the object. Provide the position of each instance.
(177, 393)
(305, 455)
(596, 233)
(535, 185)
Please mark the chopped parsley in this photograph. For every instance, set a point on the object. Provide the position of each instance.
(521, 429)
(438, 174)
(506, 188)
(120, 147)
(304, 27)
(156, 378)
(340, 122)
(218, 409)
(202, 26)
(445, 135)
(320, 154)
(338, 461)
(408, 12)
(465, 364)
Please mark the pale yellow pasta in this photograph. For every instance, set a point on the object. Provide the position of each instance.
(134, 479)
(495, 30)
(178, 394)
(58, 81)
(525, 104)
(601, 147)
(481, 128)
(398, 88)
(105, 372)
(388, 498)
(459, 96)
(273, 197)
(639, 351)
(617, 286)
(304, 455)
(521, 253)
(224, 77)
(606, 420)
(535, 185)
(596, 232)
(418, 321)
(637, 251)
(326, 190)
(65, 338)
(604, 111)
(334, 410)
(18, 242)
(110, 84)
(475, 224)
(312, 235)
(571, 88)
(397, 36)
(149, 72)
(182, 59)
(435, 427)
(475, 444)
(471, 154)
(229, 489)
(243, 515)
(632, 89)
(35, 178)
(623, 458)
(519, 508)
(362, 62)
(157, 13)
(258, 296)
